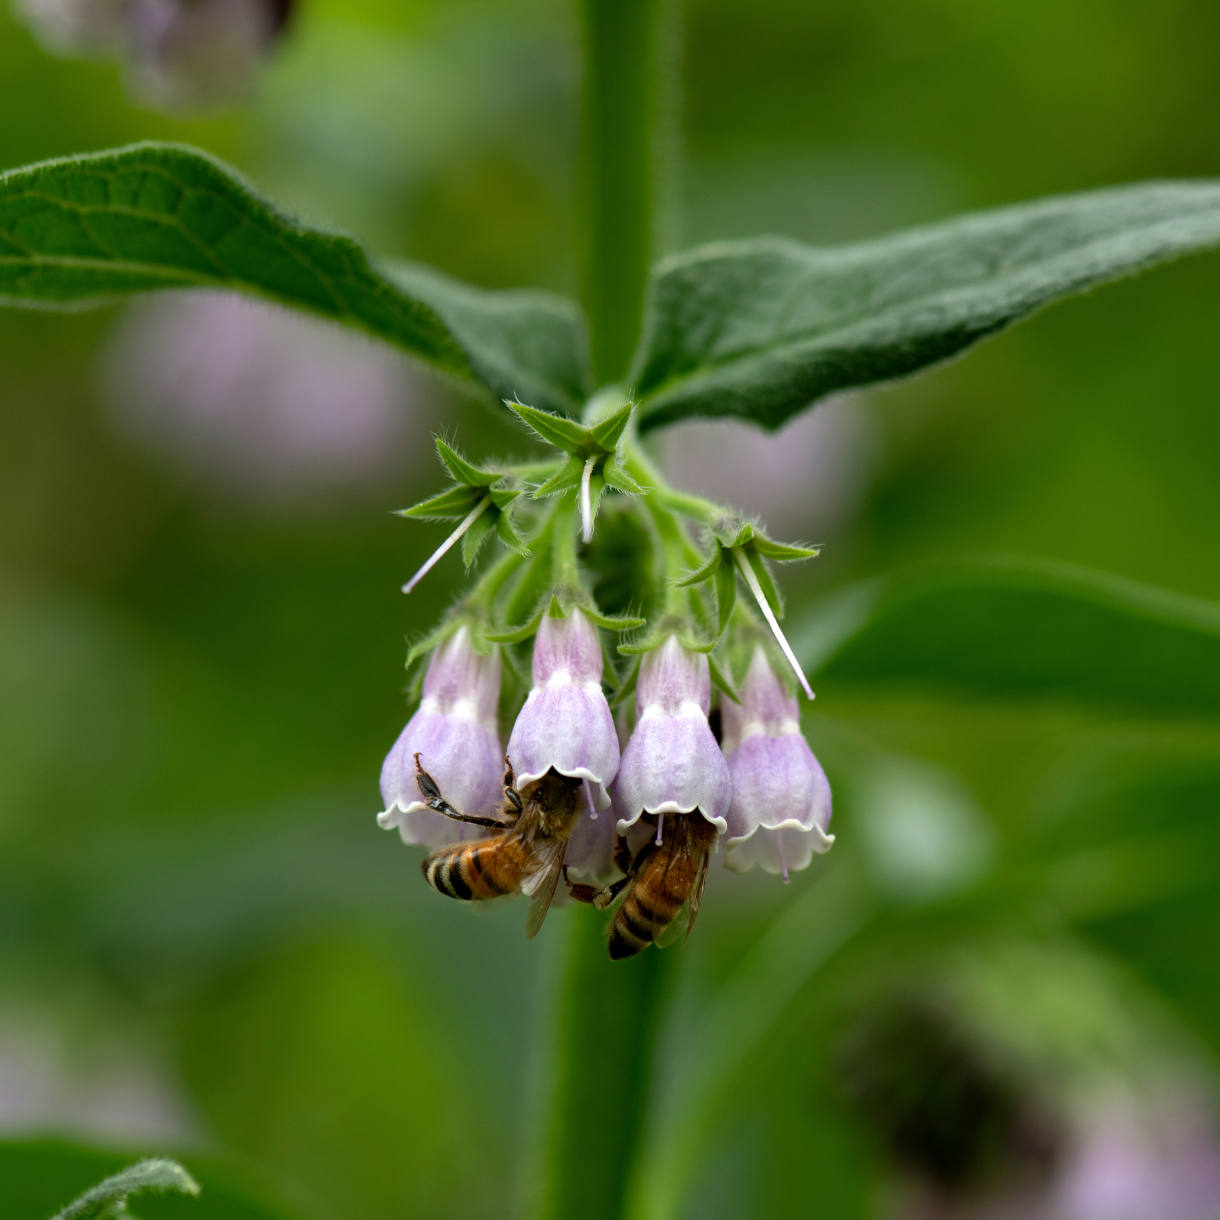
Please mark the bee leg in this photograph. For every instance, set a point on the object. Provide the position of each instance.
(604, 898)
(624, 861)
(628, 863)
(513, 797)
(434, 800)
(578, 891)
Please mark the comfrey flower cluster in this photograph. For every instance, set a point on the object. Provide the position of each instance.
(622, 811)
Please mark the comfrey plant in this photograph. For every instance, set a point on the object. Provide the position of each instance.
(446, 773)
(627, 587)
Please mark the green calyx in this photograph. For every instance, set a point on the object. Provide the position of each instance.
(594, 460)
(480, 497)
(739, 547)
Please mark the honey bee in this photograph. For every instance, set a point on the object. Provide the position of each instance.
(661, 878)
(532, 825)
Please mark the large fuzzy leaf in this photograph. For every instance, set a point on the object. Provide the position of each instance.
(82, 230)
(761, 328)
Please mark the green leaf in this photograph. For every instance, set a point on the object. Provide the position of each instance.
(109, 1197)
(462, 470)
(783, 552)
(609, 430)
(706, 571)
(37, 1173)
(444, 506)
(762, 328)
(426, 644)
(555, 430)
(473, 538)
(725, 583)
(508, 535)
(1007, 628)
(720, 678)
(620, 480)
(568, 475)
(613, 622)
(83, 230)
(520, 633)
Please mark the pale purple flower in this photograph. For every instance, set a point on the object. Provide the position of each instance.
(590, 852)
(566, 722)
(781, 803)
(566, 725)
(672, 763)
(454, 733)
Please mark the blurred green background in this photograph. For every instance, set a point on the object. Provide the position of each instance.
(206, 945)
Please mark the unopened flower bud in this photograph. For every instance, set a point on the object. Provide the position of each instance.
(454, 732)
(781, 803)
(672, 763)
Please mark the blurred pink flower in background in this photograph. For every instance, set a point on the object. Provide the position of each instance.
(74, 27)
(1126, 1157)
(259, 402)
(111, 1088)
(178, 53)
(1140, 1160)
(809, 476)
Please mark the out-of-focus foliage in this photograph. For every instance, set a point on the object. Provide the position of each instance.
(204, 940)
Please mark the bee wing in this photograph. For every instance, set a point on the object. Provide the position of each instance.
(542, 884)
(696, 893)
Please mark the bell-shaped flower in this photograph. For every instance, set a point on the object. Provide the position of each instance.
(454, 733)
(780, 809)
(566, 722)
(672, 763)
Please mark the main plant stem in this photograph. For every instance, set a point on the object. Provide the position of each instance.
(600, 1052)
(626, 157)
(599, 1048)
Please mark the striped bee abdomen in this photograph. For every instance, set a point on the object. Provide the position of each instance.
(652, 902)
(486, 868)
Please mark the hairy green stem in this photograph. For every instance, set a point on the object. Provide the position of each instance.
(601, 1049)
(628, 61)
(565, 571)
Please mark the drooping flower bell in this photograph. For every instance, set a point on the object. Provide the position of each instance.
(781, 804)
(672, 764)
(566, 725)
(454, 733)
